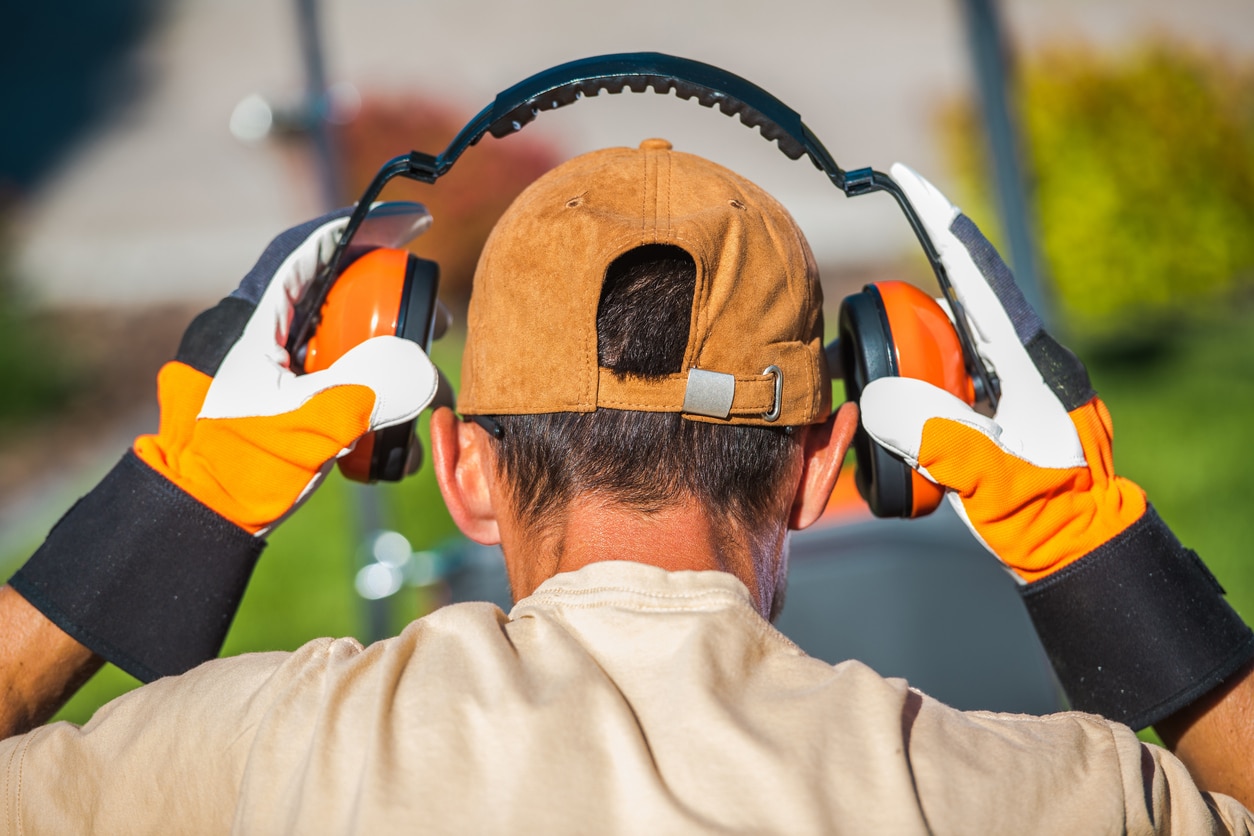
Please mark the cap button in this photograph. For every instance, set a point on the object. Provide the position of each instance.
(655, 145)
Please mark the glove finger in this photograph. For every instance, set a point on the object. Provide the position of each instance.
(981, 279)
(397, 370)
(1040, 380)
(251, 384)
(999, 337)
(267, 329)
(956, 447)
(1009, 333)
(251, 469)
(180, 393)
(283, 246)
(896, 410)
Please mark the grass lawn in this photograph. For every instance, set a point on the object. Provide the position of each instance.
(1182, 432)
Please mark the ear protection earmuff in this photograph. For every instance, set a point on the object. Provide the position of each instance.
(893, 329)
(384, 292)
(890, 328)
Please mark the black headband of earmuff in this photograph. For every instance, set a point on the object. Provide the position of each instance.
(638, 72)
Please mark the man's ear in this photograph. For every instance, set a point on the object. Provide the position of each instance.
(464, 470)
(824, 451)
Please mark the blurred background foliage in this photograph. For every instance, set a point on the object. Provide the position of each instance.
(466, 202)
(1142, 167)
(92, 76)
(36, 376)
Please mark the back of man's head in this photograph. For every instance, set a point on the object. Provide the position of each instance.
(646, 328)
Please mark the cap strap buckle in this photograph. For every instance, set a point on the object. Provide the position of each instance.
(778, 406)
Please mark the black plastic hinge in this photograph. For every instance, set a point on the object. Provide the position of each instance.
(423, 166)
(859, 181)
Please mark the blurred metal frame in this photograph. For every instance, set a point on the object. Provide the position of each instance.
(993, 67)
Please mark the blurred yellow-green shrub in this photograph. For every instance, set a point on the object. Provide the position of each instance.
(35, 376)
(1142, 170)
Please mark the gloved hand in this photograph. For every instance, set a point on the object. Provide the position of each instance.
(1036, 482)
(148, 569)
(240, 431)
(1134, 623)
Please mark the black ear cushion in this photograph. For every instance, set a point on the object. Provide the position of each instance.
(867, 353)
(391, 452)
(394, 447)
(417, 311)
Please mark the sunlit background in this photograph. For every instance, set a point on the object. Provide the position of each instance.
(150, 149)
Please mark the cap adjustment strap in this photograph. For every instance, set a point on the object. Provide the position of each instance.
(696, 392)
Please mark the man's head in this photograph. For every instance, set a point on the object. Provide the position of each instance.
(645, 334)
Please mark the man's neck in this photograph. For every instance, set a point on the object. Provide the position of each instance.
(673, 538)
(678, 537)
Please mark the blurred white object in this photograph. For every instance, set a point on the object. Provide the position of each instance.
(252, 119)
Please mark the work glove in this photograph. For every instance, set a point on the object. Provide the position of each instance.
(261, 438)
(148, 569)
(1134, 623)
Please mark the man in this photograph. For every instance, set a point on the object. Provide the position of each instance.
(646, 416)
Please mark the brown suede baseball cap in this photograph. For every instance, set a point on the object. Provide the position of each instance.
(755, 345)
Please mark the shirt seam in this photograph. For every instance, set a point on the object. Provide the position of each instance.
(740, 609)
(632, 590)
(1123, 788)
(642, 607)
(19, 754)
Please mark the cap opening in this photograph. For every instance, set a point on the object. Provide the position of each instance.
(645, 313)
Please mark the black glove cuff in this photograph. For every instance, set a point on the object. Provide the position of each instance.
(141, 573)
(1139, 628)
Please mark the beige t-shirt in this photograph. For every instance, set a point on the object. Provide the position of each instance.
(617, 699)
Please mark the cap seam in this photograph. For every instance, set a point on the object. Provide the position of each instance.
(699, 297)
(644, 198)
(747, 377)
(668, 195)
(811, 283)
(590, 363)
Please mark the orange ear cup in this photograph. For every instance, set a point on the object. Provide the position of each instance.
(893, 329)
(364, 302)
(926, 348)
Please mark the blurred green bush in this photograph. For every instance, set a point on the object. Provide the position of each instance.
(1142, 168)
(35, 376)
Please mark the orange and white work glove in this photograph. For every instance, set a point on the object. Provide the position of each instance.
(1135, 624)
(148, 569)
(262, 438)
